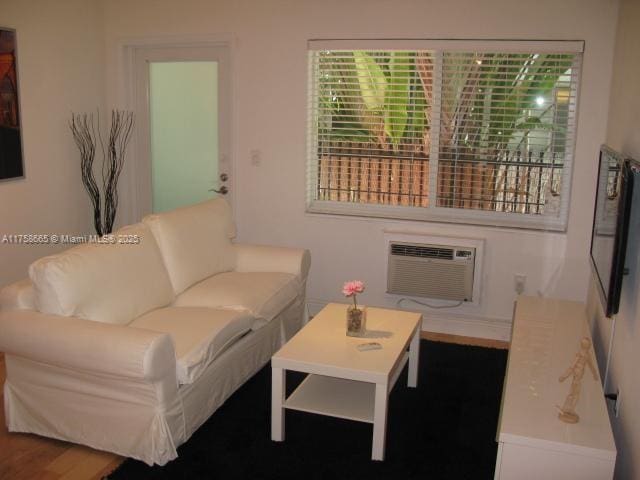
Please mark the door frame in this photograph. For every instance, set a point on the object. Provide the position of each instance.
(131, 93)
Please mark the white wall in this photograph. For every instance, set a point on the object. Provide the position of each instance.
(60, 61)
(623, 134)
(270, 61)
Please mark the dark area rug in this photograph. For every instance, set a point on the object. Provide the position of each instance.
(444, 429)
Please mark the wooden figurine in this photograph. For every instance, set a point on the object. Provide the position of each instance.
(568, 411)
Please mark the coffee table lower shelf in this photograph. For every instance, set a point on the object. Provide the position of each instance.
(335, 397)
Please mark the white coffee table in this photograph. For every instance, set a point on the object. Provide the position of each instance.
(344, 382)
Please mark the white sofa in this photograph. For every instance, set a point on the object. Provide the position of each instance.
(130, 347)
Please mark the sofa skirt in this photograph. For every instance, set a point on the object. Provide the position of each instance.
(118, 415)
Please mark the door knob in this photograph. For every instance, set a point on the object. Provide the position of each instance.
(224, 177)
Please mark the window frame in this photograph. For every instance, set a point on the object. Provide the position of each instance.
(433, 212)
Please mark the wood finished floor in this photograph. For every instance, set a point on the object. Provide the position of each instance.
(460, 340)
(25, 456)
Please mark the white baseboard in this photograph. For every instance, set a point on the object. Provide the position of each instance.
(438, 322)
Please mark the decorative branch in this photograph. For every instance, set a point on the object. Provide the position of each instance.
(119, 136)
(113, 155)
(84, 135)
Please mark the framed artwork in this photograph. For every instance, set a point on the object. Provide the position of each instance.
(11, 161)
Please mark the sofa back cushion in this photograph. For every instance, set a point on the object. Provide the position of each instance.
(195, 241)
(105, 282)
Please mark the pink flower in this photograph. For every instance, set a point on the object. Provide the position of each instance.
(352, 287)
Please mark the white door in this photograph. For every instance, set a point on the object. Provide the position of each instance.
(182, 101)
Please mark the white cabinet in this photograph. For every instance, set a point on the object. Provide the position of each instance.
(532, 442)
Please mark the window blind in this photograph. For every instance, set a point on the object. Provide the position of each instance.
(507, 123)
(372, 113)
(460, 134)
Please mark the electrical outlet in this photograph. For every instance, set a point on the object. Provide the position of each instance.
(519, 281)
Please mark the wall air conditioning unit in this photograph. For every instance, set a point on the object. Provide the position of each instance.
(433, 271)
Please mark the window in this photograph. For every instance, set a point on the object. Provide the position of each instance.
(475, 132)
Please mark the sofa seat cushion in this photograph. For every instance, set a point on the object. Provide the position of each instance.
(199, 334)
(195, 241)
(105, 282)
(262, 294)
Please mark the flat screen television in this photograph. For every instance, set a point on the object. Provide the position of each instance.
(611, 226)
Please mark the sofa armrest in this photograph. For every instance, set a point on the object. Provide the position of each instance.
(262, 258)
(18, 296)
(71, 342)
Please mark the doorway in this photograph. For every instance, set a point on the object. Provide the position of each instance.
(182, 103)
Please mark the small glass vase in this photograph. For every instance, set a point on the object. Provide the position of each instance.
(356, 321)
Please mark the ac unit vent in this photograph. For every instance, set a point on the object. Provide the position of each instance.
(423, 251)
(433, 271)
